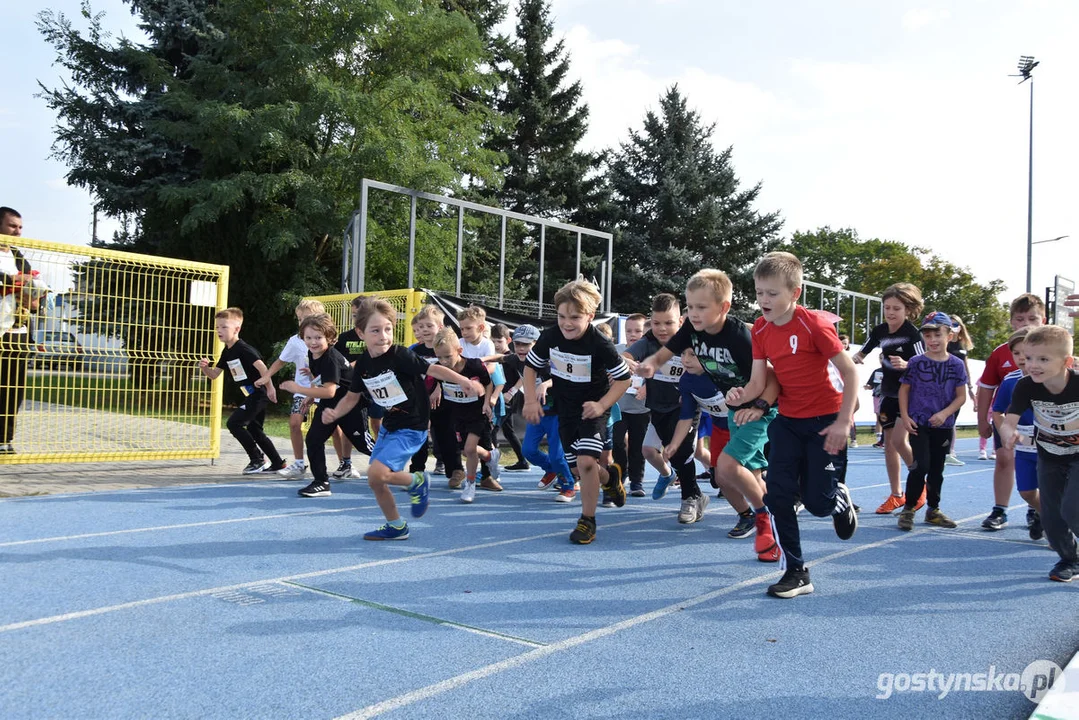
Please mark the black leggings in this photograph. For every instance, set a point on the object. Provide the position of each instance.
(354, 426)
(930, 447)
(511, 437)
(15, 351)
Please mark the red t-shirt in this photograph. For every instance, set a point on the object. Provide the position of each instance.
(999, 363)
(799, 352)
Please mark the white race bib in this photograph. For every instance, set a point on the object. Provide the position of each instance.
(385, 390)
(716, 406)
(671, 371)
(237, 369)
(575, 368)
(635, 383)
(454, 393)
(431, 360)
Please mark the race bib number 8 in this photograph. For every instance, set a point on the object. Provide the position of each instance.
(454, 393)
(237, 369)
(575, 368)
(385, 390)
(671, 371)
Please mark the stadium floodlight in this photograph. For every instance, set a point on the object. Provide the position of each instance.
(1026, 66)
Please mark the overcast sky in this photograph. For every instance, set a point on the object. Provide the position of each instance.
(897, 119)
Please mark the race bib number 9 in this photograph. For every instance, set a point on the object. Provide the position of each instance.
(454, 393)
(237, 369)
(671, 371)
(385, 390)
(575, 368)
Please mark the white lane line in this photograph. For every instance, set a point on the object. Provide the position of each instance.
(463, 679)
(205, 523)
(303, 576)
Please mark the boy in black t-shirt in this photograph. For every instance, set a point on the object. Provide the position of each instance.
(329, 373)
(350, 346)
(469, 413)
(245, 366)
(393, 377)
(1051, 390)
(588, 377)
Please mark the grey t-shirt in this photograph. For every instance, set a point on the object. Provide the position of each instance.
(628, 403)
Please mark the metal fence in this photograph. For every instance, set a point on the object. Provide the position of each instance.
(859, 313)
(99, 352)
(406, 302)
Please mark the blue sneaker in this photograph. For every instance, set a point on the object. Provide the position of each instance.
(388, 532)
(662, 483)
(421, 483)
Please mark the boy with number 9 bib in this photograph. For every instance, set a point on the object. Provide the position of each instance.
(393, 377)
(587, 378)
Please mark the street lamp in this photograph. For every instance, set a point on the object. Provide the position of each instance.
(1027, 63)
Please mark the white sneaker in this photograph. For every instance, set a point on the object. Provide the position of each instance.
(468, 491)
(982, 455)
(492, 464)
(993, 456)
(953, 460)
(295, 471)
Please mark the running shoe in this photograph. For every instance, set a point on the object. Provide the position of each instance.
(388, 532)
(489, 483)
(546, 481)
(492, 464)
(765, 540)
(934, 516)
(771, 555)
(952, 459)
(468, 491)
(255, 466)
(1064, 571)
(997, 520)
(418, 490)
(276, 468)
(792, 584)
(906, 519)
(519, 466)
(844, 518)
(607, 502)
(345, 470)
(584, 533)
(457, 478)
(982, 455)
(1034, 524)
(744, 527)
(440, 468)
(295, 471)
(567, 495)
(636, 489)
(662, 483)
(893, 503)
(614, 489)
(316, 488)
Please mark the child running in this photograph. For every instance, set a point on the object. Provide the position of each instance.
(588, 377)
(932, 391)
(1051, 390)
(393, 377)
(809, 435)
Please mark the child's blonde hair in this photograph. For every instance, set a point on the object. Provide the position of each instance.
(310, 306)
(321, 322)
(472, 312)
(581, 294)
(1052, 336)
(447, 336)
(909, 295)
(371, 306)
(605, 330)
(429, 312)
(715, 281)
(961, 333)
(783, 265)
(231, 313)
(1018, 337)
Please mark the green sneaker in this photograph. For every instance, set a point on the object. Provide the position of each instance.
(906, 520)
(421, 484)
(934, 516)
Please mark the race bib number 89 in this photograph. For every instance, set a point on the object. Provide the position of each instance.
(575, 368)
(385, 390)
(671, 371)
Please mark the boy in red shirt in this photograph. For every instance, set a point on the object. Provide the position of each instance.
(809, 435)
(1027, 310)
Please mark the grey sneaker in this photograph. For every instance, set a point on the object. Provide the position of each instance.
(492, 464)
(953, 460)
(295, 471)
(906, 520)
(345, 470)
(692, 509)
(255, 466)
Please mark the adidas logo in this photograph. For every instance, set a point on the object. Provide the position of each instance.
(597, 437)
(830, 467)
(1007, 363)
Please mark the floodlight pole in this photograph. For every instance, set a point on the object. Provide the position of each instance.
(1030, 190)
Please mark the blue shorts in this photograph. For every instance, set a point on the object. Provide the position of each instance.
(1026, 471)
(704, 427)
(395, 449)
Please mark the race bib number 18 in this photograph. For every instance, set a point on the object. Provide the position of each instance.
(385, 390)
(575, 368)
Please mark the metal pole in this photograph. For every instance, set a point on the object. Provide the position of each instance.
(346, 254)
(610, 270)
(543, 248)
(603, 284)
(578, 272)
(460, 241)
(1030, 190)
(502, 265)
(359, 243)
(411, 239)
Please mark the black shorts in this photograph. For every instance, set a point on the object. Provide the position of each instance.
(582, 437)
(470, 425)
(889, 412)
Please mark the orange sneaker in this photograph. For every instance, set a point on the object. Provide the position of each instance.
(765, 540)
(921, 501)
(893, 503)
(770, 555)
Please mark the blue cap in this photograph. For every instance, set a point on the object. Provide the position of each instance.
(526, 334)
(937, 320)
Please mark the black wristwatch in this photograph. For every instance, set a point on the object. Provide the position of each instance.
(761, 404)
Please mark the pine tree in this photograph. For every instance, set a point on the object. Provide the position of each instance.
(680, 209)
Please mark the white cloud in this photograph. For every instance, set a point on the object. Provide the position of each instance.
(918, 18)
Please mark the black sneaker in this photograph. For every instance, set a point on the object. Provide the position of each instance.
(997, 520)
(1034, 525)
(1064, 571)
(704, 475)
(844, 517)
(607, 501)
(255, 466)
(585, 532)
(614, 489)
(745, 527)
(317, 488)
(636, 489)
(792, 584)
(276, 466)
(519, 466)
(440, 468)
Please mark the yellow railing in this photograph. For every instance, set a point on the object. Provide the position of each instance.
(406, 302)
(106, 362)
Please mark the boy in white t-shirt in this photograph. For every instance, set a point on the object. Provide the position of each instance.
(295, 352)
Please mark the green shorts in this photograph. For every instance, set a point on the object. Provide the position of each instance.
(747, 441)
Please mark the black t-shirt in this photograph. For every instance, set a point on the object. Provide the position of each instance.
(238, 362)
(1056, 417)
(663, 395)
(460, 405)
(330, 368)
(394, 381)
(581, 369)
(513, 368)
(906, 342)
(956, 348)
(727, 356)
(349, 344)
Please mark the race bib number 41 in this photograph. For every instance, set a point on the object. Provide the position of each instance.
(385, 390)
(575, 368)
